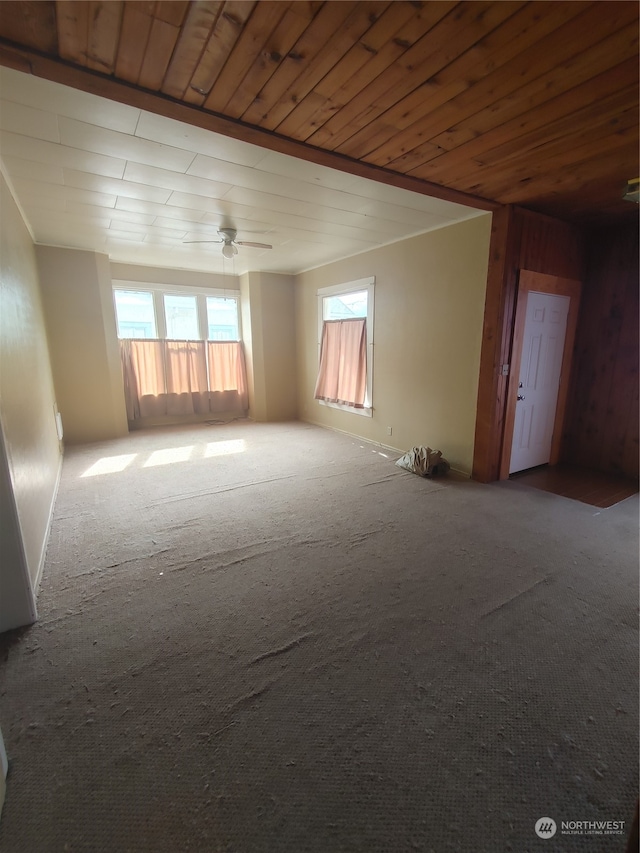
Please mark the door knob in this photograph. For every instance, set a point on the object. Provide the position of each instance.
(520, 396)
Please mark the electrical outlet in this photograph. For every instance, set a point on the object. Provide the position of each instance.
(389, 430)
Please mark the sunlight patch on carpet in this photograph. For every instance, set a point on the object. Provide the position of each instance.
(225, 448)
(169, 456)
(110, 465)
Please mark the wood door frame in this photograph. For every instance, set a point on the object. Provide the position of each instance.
(529, 281)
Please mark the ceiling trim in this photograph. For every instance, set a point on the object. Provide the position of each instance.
(32, 62)
(16, 200)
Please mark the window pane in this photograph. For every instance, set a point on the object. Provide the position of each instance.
(346, 306)
(182, 317)
(135, 315)
(222, 319)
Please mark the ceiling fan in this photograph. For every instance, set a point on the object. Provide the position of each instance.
(229, 243)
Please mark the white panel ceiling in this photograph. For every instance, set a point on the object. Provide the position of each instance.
(95, 174)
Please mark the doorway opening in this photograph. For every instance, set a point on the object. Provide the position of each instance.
(544, 334)
(539, 379)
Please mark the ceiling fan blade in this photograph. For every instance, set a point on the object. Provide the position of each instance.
(255, 245)
(203, 241)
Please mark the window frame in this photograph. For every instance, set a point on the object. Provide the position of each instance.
(158, 292)
(356, 286)
(153, 309)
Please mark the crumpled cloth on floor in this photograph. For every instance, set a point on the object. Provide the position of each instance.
(424, 461)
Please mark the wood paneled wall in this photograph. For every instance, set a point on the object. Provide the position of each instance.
(602, 417)
(520, 240)
(546, 245)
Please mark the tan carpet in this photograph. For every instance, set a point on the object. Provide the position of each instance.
(279, 641)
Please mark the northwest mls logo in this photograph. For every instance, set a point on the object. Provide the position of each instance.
(546, 827)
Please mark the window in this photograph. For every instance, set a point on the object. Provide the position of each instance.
(345, 346)
(347, 306)
(136, 317)
(181, 352)
(222, 319)
(176, 314)
(181, 315)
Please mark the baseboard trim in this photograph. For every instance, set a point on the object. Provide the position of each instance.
(375, 443)
(45, 542)
(353, 435)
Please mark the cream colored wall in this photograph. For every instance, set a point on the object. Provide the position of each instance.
(80, 316)
(114, 391)
(429, 308)
(171, 277)
(31, 451)
(268, 324)
(17, 588)
(250, 307)
(279, 345)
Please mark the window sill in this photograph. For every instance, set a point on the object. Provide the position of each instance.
(367, 412)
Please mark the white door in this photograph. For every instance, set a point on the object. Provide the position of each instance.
(542, 349)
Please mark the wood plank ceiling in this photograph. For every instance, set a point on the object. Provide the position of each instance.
(534, 104)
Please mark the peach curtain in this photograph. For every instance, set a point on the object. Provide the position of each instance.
(183, 377)
(227, 376)
(144, 378)
(186, 366)
(342, 376)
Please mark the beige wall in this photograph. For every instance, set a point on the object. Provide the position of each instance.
(278, 319)
(268, 326)
(249, 307)
(171, 277)
(429, 308)
(31, 453)
(80, 316)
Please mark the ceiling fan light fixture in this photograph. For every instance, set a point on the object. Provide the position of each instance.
(227, 236)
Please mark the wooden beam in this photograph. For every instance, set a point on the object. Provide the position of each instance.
(23, 59)
(492, 384)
